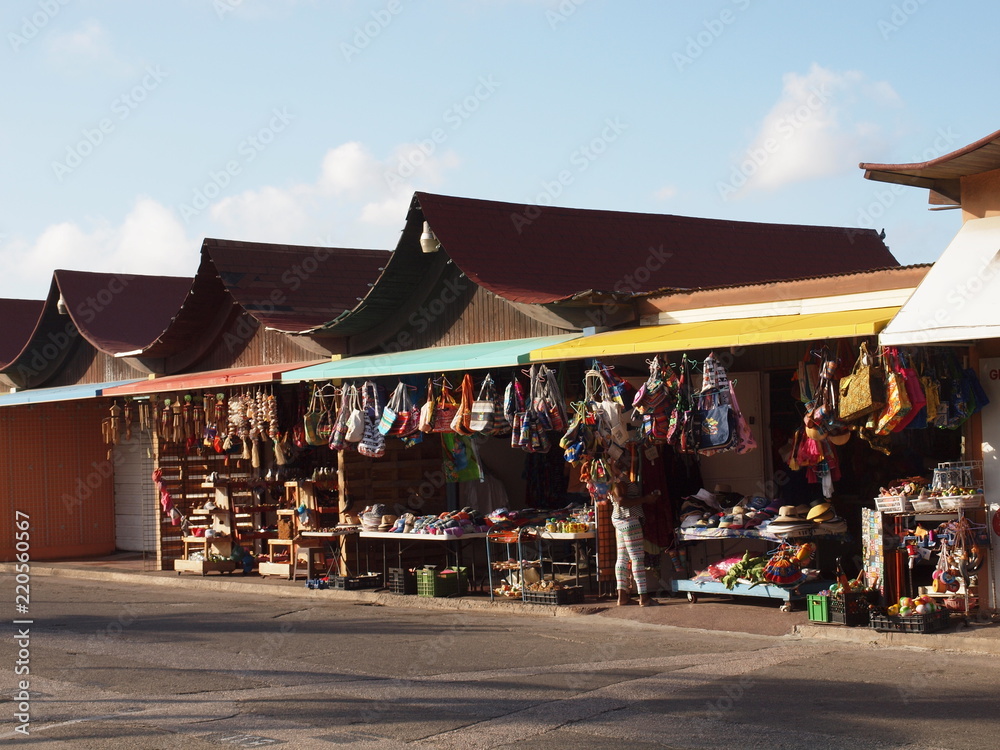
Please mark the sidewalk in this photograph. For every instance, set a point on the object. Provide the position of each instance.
(723, 614)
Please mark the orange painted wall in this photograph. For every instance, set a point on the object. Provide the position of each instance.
(54, 467)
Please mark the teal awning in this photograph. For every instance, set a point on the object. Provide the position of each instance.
(60, 393)
(482, 356)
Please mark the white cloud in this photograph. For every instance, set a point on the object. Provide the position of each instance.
(665, 193)
(357, 200)
(820, 126)
(150, 240)
(85, 46)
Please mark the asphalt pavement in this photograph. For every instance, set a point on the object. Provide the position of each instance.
(149, 660)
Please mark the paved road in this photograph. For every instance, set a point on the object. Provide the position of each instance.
(114, 665)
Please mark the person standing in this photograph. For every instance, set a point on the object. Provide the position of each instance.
(627, 517)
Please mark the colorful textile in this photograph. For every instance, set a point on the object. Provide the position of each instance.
(628, 532)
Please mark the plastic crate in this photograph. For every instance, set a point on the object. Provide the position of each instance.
(354, 583)
(401, 581)
(955, 502)
(893, 504)
(567, 595)
(818, 608)
(911, 623)
(431, 583)
(849, 609)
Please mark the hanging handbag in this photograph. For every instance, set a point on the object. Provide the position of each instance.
(372, 443)
(547, 398)
(445, 408)
(863, 391)
(481, 417)
(426, 420)
(355, 418)
(914, 392)
(337, 437)
(408, 419)
(718, 424)
(897, 406)
(461, 423)
(310, 420)
(324, 427)
(745, 441)
(391, 412)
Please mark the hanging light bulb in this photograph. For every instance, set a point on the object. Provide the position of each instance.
(428, 242)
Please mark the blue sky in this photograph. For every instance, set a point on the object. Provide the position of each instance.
(132, 130)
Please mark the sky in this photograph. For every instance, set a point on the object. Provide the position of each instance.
(130, 131)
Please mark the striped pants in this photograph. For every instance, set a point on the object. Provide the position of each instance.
(628, 532)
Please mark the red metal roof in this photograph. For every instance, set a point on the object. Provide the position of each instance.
(209, 379)
(544, 254)
(119, 312)
(19, 316)
(294, 288)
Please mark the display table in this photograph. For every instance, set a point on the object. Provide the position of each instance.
(761, 590)
(219, 546)
(330, 543)
(452, 545)
(579, 539)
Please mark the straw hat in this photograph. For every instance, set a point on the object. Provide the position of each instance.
(789, 514)
(822, 512)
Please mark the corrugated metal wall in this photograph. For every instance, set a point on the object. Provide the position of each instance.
(56, 469)
(477, 315)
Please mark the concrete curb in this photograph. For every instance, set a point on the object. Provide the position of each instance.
(951, 640)
(296, 590)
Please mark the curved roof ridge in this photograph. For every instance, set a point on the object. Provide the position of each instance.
(119, 312)
(20, 317)
(294, 288)
(544, 254)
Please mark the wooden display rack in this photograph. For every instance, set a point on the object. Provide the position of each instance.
(220, 521)
(303, 551)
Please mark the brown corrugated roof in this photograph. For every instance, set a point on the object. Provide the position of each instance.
(874, 280)
(543, 254)
(294, 288)
(119, 312)
(19, 316)
(943, 173)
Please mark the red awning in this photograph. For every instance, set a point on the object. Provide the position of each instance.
(209, 379)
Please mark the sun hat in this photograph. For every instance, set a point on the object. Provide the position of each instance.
(820, 513)
(789, 514)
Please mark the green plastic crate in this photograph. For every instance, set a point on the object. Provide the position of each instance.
(432, 583)
(818, 608)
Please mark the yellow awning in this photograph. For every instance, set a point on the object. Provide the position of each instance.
(681, 337)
